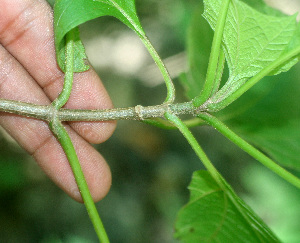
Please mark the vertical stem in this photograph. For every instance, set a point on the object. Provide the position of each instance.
(61, 134)
(196, 147)
(139, 31)
(67, 145)
(266, 161)
(214, 56)
(219, 72)
(63, 97)
(169, 83)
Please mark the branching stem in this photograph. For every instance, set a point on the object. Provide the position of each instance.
(63, 137)
(259, 156)
(45, 112)
(213, 107)
(169, 83)
(196, 147)
(213, 64)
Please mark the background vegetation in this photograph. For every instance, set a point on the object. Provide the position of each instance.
(151, 168)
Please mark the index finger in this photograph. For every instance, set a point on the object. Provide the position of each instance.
(26, 31)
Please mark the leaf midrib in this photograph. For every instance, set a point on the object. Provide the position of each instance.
(121, 10)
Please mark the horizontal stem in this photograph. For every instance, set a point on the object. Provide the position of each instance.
(132, 113)
(47, 112)
(42, 112)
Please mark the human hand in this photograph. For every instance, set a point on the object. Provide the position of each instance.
(29, 73)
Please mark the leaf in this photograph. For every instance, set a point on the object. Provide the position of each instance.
(70, 14)
(284, 210)
(80, 58)
(282, 143)
(198, 50)
(215, 215)
(295, 40)
(251, 42)
(271, 122)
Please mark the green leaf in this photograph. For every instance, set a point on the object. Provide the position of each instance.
(215, 215)
(198, 50)
(70, 14)
(295, 41)
(284, 209)
(80, 58)
(252, 41)
(268, 116)
(280, 142)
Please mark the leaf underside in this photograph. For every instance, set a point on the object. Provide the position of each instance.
(251, 42)
(268, 115)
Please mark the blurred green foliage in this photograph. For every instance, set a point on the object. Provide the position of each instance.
(151, 168)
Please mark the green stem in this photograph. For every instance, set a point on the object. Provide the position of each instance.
(252, 81)
(195, 146)
(214, 56)
(169, 83)
(63, 97)
(266, 161)
(67, 145)
(219, 72)
(61, 134)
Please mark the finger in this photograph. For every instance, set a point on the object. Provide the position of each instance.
(85, 91)
(36, 138)
(94, 167)
(26, 31)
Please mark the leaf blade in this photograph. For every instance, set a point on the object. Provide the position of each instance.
(214, 215)
(252, 41)
(198, 50)
(268, 116)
